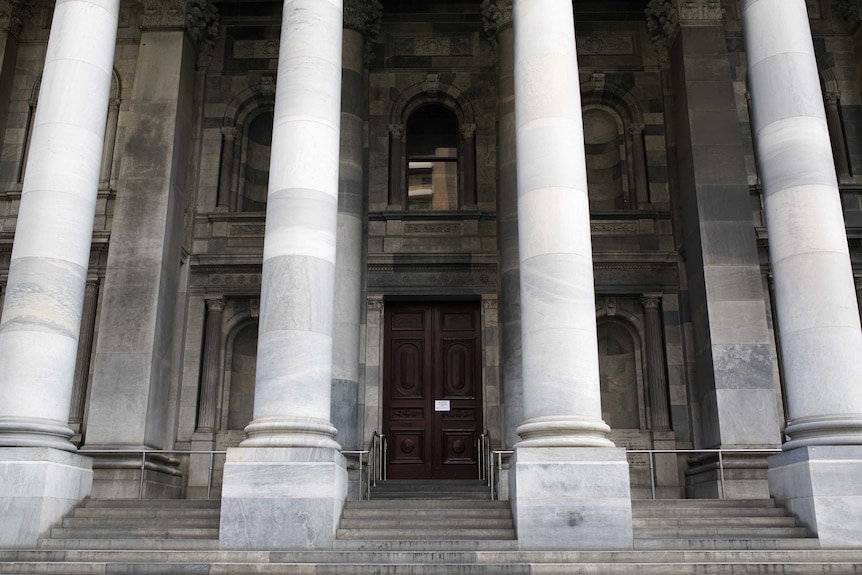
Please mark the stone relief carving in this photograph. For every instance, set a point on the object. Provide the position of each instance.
(451, 46)
(665, 16)
(850, 10)
(13, 14)
(496, 14)
(606, 44)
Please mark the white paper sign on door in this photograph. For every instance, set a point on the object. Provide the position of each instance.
(442, 405)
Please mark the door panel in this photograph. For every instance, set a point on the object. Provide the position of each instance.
(432, 352)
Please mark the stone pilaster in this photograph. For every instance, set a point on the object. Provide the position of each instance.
(13, 15)
(636, 132)
(815, 296)
(565, 446)
(468, 153)
(733, 353)
(498, 24)
(397, 193)
(290, 465)
(44, 300)
(141, 297)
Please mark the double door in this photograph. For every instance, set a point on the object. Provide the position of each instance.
(432, 406)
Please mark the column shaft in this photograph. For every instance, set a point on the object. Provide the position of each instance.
(229, 134)
(110, 144)
(468, 140)
(560, 350)
(212, 368)
(48, 270)
(821, 339)
(396, 169)
(85, 350)
(348, 266)
(294, 362)
(659, 417)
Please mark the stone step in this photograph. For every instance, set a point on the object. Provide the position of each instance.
(684, 522)
(441, 513)
(147, 512)
(720, 512)
(151, 522)
(451, 495)
(720, 530)
(700, 503)
(137, 543)
(438, 568)
(437, 546)
(411, 522)
(154, 503)
(382, 557)
(133, 532)
(425, 533)
(413, 504)
(726, 543)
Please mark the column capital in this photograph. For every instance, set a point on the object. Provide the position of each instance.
(365, 17)
(850, 10)
(13, 14)
(396, 130)
(215, 304)
(496, 15)
(651, 301)
(636, 129)
(229, 133)
(468, 131)
(199, 18)
(831, 98)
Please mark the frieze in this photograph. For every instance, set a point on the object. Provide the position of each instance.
(234, 280)
(606, 44)
(610, 228)
(437, 46)
(247, 229)
(419, 228)
(255, 49)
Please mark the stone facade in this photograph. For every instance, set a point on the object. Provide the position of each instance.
(698, 313)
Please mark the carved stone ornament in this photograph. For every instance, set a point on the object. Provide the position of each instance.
(365, 17)
(850, 10)
(13, 14)
(199, 18)
(496, 14)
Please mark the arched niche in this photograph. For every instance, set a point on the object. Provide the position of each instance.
(606, 158)
(240, 369)
(620, 374)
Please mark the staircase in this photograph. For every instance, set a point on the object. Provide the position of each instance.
(427, 529)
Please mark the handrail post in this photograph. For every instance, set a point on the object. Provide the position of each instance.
(652, 479)
(721, 473)
(210, 475)
(143, 471)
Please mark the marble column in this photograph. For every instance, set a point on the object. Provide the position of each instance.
(228, 144)
(359, 16)
(815, 297)
(42, 479)
(656, 378)
(211, 369)
(558, 500)
(733, 354)
(498, 24)
(289, 467)
(141, 300)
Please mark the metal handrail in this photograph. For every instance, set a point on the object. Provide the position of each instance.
(363, 453)
(483, 455)
(498, 454)
(377, 463)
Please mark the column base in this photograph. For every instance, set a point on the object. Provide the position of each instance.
(282, 498)
(821, 487)
(38, 487)
(571, 498)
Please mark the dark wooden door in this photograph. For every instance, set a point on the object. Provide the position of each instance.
(432, 390)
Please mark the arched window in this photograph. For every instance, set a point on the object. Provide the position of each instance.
(258, 149)
(432, 159)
